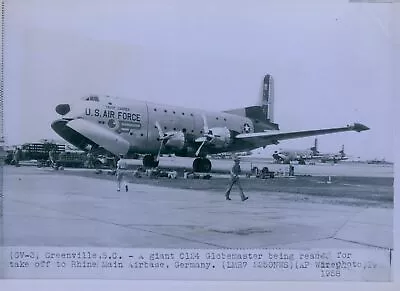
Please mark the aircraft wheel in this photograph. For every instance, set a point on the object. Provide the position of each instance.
(202, 165)
(155, 163)
(197, 165)
(149, 161)
(206, 165)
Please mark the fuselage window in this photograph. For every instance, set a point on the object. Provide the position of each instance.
(165, 110)
(183, 130)
(141, 134)
(183, 113)
(173, 112)
(131, 133)
(191, 114)
(216, 118)
(174, 128)
(201, 132)
(155, 109)
(224, 119)
(165, 127)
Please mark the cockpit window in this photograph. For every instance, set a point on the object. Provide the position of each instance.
(92, 98)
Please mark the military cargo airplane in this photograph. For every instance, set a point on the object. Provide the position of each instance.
(130, 127)
(287, 156)
(334, 157)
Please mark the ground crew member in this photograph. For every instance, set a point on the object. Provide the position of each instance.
(52, 158)
(90, 160)
(291, 170)
(122, 168)
(235, 172)
(16, 157)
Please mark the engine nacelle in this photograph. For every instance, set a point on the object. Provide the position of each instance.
(222, 137)
(177, 141)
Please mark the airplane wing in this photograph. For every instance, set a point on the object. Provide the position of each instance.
(273, 137)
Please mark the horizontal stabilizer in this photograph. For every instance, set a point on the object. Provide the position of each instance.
(103, 137)
(360, 127)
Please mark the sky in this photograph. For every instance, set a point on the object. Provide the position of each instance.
(332, 62)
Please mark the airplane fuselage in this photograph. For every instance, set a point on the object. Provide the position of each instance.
(129, 127)
(135, 121)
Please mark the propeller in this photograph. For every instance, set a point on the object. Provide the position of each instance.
(163, 137)
(199, 149)
(208, 135)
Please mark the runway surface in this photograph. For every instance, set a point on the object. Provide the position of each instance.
(43, 207)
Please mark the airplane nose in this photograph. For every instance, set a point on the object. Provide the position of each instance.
(62, 109)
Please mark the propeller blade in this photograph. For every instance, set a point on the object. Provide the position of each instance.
(208, 135)
(201, 139)
(160, 131)
(159, 150)
(162, 135)
(199, 149)
(205, 124)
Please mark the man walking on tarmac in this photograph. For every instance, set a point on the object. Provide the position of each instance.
(121, 173)
(235, 172)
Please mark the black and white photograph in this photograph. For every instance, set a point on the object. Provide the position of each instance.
(197, 140)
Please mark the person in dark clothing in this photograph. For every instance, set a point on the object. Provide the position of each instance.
(235, 172)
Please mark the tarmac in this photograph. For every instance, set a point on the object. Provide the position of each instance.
(43, 207)
(345, 168)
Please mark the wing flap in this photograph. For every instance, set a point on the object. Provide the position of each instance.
(109, 140)
(272, 137)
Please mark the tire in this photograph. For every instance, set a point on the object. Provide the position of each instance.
(196, 165)
(150, 162)
(206, 165)
(201, 165)
(155, 163)
(147, 161)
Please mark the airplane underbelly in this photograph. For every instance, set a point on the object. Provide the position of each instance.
(93, 134)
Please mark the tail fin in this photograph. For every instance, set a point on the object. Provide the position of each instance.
(267, 102)
(262, 114)
(341, 152)
(314, 149)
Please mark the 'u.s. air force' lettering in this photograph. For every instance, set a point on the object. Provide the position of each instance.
(120, 115)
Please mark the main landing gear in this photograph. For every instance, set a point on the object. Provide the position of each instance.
(150, 161)
(202, 165)
(199, 164)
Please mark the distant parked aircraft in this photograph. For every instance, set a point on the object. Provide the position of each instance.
(287, 156)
